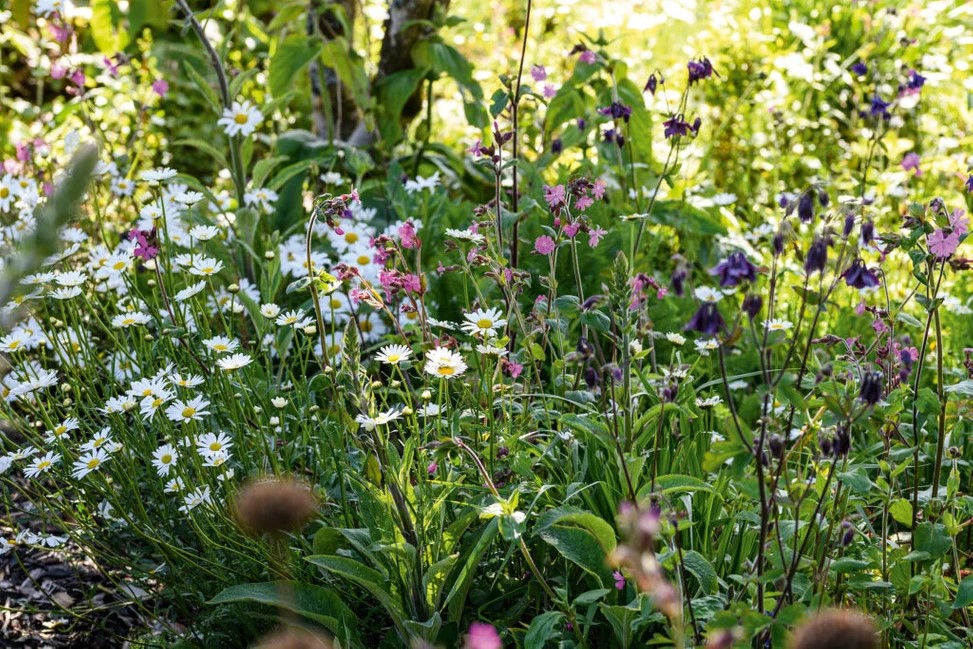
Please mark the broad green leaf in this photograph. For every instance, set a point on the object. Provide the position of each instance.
(367, 578)
(393, 92)
(542, 628)
(601, 530)
(702, 570)
(207, 90)
(901, 511)
(932, 539)
(105, 16)
(581, 547)
(290, 59)
(964, 594)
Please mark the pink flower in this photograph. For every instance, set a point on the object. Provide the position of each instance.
(959, 222)
(941, 244)
(554, 196)
(160, 87)
(549, 91)
(407, 233)
(432, 468)
(544, 245)
(111, 65)
(60, 32)
(412, 283)
(619, 580)
(572, 229)
(583, 203)
(595, 235)
(58, 71)
(513, 368)
(911, 161)
(538, 72)
(598, 191)
(482, 636)
(587, 57)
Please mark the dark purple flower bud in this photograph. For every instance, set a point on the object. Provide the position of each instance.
(678, 279)
(668, 394)
(776, 444)
(581, 123)
(871, 390)
(707, 320)
(503, 452)
(617, 110)
(591, 377)
(849, 225)
(696, 124)
(817, 256)
(778, 244)
(584, 348)
(842, 441)
(868, 231)
(805, 207)
(915, 81)
(620, 140)
(858, 276)
(783, 200)
(651, 84)
(591, 302)
(823, 199)
(848, 533)
(969, 184)
(824, 443)
(609, 135)
(752, 305)
(557, 146)
(860, 68)
(735, 269)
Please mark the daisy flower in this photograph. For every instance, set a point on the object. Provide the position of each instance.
(183, 411)
(65, 293)
(382, 418)
(130, 319)
(190, 381)
(778, 325)
(483, 322)
(444, 363)
(174, 486)
(41, 464)
(90, 461)
(676, 339)
(241, 118)
(190, 291)
(290, 318)
(234, 362)
(212, 443)
(155, 176)
(221, 344)
(205, 266)
(62, 429)
(393, 354)
(164, 458)
(204, 232)
(269, 310)
(465, 235)
(195, 498)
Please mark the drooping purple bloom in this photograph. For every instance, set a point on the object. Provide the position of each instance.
(860, 68)
(817, 256)
(617, 110)
(707, 320)
(969, 184)
(868, 231)
(752, 304)
(879, 108)
(652, 84)
(871, 389)
(699, 69)
(734, 269)
(859, 276)
(805, 207)
(676, 125)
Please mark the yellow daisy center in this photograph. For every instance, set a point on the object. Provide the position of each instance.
(93, 463)
(484, 323)
(188, 412)
(446, 370)
(240, 118)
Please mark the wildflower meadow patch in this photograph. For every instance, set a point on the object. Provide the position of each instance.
(428, 324)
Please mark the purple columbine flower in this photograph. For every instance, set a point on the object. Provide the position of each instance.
(860, 68)
(868, 231)
(817, 256)
(805, 207)
(699, 69)
(969, 184)
(752, 304)
(707, 320)
(617, 110)
(676, 125)
(871, 390)
(858, 276)
(652, 83)
(879, 108)
(735, 269)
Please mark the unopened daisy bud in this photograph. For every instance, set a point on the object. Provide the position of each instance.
(233, 288)
(258, 409)
(395, 384)
(315, 408)
(407, 411)
(310, 330)
(269, 255)
(65, 387)
(269, 310)
(426, 395)
(635, 346)
(274, 506)
(676, 339)
(67, 402)
(835, 629)
(151, 283)
(148, 338)
(274, 421)
(279, 402)
(376, 385)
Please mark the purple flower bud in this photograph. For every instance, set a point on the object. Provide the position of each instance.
(805, 207)
(868, 231)
(860, 68)
(778, 244)
(858, 276)
(707, 320)
(735, 269)
(651, 84)
(849, 225)
(752, 305)
(871, 389)
(848, 533)
(817, 256)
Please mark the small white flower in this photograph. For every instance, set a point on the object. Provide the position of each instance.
(241, 118)
(212, 443)
(707, 294)
(204, 232)
(269, 310)
(205, 266)
(90, 461)
(394, 354)
(130, 319)
(155, 176)
(164, 458)
(183, 411)
(234, 362)
(195, 498)
(705, 346)
(777, 324)
(41, 464)
(708, 402)
(465, 235)
(420, 183)
(279, 402)
(221, 344)
(724, 199)
(483, 322)
(676, 339)
(444, 363)
(190, 291)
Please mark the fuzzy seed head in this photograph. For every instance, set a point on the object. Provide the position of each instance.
(274, 506)
(835, 629)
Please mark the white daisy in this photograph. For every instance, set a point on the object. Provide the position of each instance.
(234, 362)
(90, 461)
(211, 443)
(394, 354)
(164, 458)
(221, 344)
(192, 410)
(483, 322)
(241, 118)
(444, 363)
(41, 464)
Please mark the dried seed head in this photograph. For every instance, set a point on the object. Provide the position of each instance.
(274, 506)
(293, 639)
(836, 629)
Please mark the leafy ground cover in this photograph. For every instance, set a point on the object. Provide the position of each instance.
(456, 325)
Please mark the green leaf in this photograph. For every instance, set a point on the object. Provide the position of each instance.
(675, 484)
(392, 93)
(463, 578)
(597, 526)
(857, 480)
(542, 629)
(207, 90)
(964, 388)
(105, 17)
(370, 580)
(581, 547)
(329, 540)
(901, 511)
(964, 594)
(205, 147)
(291, 57)
(702, 570)
(932, 539)
(337, 55)
(316, 603)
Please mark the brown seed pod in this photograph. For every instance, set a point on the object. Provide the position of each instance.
(293, 639)
(274, 506)
(835, 629)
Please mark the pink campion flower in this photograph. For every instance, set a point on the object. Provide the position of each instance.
(879, 326)
(513, 368)
(619, 580)
(23, 151)
(598, 191)
(571, 229)
(860, 308)
(482, 636)
(544, 245)
(941, 244)
(959, 222)
(412, 283)
(549, 91)
(583, 203)
(594, 236)
(48, 188)
(160, 87)
(407, 233)
(145, 248)
(911, 162)
(58, 71)
(587, 57)
(538, 72)
(432, 468)
(60, 32)
(477, 149)
(554, 196)
(111, 65)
